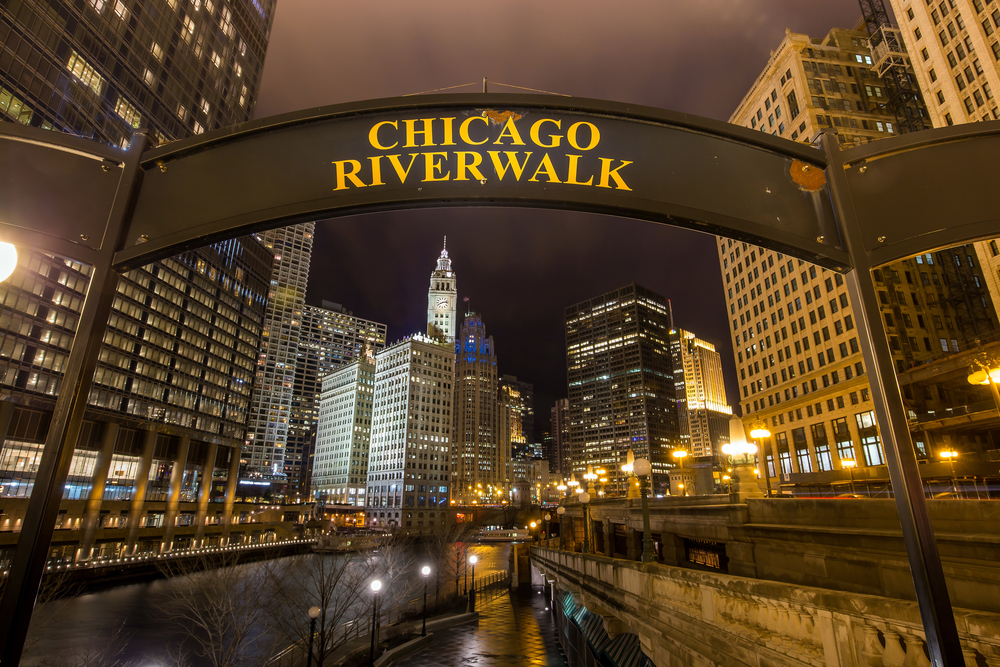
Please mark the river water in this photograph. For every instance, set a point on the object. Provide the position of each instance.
(135, 618)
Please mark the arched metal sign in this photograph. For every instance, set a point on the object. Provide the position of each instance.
(846, 210)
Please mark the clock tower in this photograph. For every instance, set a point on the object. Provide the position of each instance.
(442, 297)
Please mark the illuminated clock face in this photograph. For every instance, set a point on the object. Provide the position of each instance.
(442, 303)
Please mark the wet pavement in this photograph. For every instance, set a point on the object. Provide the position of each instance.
(513, 629)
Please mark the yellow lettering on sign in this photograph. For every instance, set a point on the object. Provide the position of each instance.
(376, 170)
(394, 159)
(554, 138)
(546, 168)
(412, 132)
(449, 132)
(472, 167)
(571, 177)
(463, 130)
(510, 132)
(515, 168)
(343, 175)
(373, 135)
(595, 135)
(431, 166)
(608, 173)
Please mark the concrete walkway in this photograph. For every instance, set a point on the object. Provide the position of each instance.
(512, 630)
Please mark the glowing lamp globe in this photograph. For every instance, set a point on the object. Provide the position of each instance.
(425, 570)
(376, 586)
(641, 467)
(8, 260)
(314, 612)
(473, 559)
(584, 497)
(560, 511)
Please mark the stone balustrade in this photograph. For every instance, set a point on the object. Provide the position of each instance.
(691, 617)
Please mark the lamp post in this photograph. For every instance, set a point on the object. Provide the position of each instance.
(425, 570)
(585, 500)
(950, 456)
(561, 511)
(759, 432)
(850, 464)
(548, 535)
(533, 534)
(376, 586)
(679, 454)
(740, 451)
(642, 468)
(472, 591)
(313, 615)
(729, 483)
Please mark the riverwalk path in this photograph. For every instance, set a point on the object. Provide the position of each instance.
(513, 629)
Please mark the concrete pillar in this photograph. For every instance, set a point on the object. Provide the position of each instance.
(630, 539)
(93, 513)
(609, 539)
(234, 474)
(139, 491)
(174, 494)
(205, 492)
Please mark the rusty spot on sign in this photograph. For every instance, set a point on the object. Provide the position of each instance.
(807, 177)
(501, 116)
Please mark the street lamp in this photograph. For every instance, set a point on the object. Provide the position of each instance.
(729, 485)
(425, 570)
(313, 615)
(533, 526)
(376, 586)
(585, 499)
(950, 456)
(472, 591)
(548, 535)
(8, 260)
(759, 432)
(560, 511)
(850, 464)
(642, 468)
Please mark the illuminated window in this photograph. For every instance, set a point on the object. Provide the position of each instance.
(85, 72)
(128, 112)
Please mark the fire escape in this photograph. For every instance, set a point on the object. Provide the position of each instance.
(891, 63)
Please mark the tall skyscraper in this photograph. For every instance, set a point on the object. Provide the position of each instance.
(271, 410)
(621, 384)
(409, 459)
(957, 67)
(796, 350)
(103, 68)
(702, 408)
(480, 457)
(330, 338)
(517, 417)
(560, 460)
(170, 400)
(442, 298)
(343, 434)
(170, 397)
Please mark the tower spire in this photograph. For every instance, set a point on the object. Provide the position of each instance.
(445, 242)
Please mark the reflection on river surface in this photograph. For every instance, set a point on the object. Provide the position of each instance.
(87, 623)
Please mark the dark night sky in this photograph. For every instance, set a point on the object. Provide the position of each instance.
(522, 267)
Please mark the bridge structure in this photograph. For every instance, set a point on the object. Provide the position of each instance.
(759, 581)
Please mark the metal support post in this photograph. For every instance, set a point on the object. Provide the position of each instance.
(30, 557)
(943, 643)
(647, 537)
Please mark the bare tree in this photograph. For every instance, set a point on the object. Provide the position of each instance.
(337, 585)
(223, 610)
(445, 551)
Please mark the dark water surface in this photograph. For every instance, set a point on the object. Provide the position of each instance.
(63, 630)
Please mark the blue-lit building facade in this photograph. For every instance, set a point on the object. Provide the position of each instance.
(480, 457)
(621, 385)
